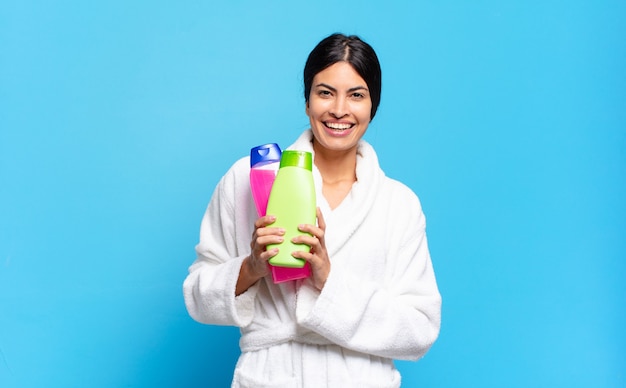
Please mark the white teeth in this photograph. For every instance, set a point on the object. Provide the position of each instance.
(338, 126)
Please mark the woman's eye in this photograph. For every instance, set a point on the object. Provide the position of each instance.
(358, 95)
(324, 93)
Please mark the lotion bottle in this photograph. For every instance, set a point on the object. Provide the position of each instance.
(292, 201)
(264, 164)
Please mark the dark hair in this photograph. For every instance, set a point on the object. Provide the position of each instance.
(351, 49)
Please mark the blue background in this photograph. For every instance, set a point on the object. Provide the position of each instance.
(117, 118)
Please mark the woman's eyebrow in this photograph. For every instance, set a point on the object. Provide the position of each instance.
(354, 89)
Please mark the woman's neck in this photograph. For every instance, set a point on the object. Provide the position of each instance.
(338, 171)
(335, 165)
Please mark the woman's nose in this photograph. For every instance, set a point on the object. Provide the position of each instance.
(339, 108)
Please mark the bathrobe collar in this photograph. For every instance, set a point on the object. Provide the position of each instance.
(356, 206)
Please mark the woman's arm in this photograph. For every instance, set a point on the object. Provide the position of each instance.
(398, 317)
(255, 266)
(225, 232)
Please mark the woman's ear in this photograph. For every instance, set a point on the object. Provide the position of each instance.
(306, 108)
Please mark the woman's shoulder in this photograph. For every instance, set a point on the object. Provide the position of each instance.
(400, 203)
(236, 179)
(399, 192)
(241, 166)
(239, 169)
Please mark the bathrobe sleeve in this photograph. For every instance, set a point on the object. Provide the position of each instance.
(398, 317)
(209, 289)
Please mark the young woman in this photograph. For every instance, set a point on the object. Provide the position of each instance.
(372, 296)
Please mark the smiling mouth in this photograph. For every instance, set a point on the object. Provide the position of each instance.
(338, 126)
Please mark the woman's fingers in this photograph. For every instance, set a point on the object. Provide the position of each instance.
(315, 236)
(262, 236)
(317, 256)
(264, 221)
(320, 219)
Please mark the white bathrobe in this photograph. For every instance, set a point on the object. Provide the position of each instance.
(380, 301)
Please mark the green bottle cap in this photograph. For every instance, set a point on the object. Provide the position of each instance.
(300, 159)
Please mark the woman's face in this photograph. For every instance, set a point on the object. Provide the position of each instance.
(339, 107)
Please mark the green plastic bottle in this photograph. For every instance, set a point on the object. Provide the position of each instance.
(292, 202)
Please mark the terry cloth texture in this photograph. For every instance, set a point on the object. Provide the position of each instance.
(380, 302)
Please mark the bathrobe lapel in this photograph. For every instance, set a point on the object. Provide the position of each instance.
(349, 215)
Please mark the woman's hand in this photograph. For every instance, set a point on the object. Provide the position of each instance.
(255, 266)
(317, 257)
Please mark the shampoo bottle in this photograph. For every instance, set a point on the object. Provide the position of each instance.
(292, 202)
(264, 164)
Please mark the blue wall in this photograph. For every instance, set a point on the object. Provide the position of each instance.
(117, 119)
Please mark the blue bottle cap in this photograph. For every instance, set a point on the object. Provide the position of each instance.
(264, 154)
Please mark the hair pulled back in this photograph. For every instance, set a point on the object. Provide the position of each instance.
(351, 49)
